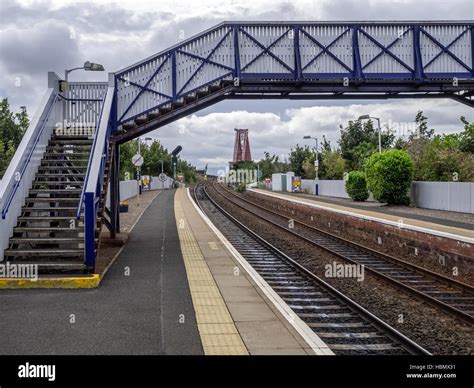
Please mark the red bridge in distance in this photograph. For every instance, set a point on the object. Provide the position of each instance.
(241, 145)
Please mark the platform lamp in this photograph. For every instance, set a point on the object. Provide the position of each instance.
(88, 66)
(316, 162)
(368, 117)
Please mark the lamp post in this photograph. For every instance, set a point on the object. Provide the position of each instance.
(88, 66)
(367, 117)
(316, 162)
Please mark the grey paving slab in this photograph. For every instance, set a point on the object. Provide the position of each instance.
(136, 314)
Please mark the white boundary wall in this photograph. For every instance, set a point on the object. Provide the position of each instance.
(129, 188)
(451, 196)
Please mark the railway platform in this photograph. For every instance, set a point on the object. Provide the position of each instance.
(436, 226)
(236, 311)
(175, 288)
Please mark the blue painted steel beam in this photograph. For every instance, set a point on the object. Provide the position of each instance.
(356, 54)
(89, 230)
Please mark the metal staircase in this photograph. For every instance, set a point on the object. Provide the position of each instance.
(47, 232)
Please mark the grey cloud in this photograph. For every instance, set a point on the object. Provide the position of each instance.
(37, 49)
(88, 16)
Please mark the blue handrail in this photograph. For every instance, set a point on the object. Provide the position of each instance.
(89, 163)
(90, 196)
(13, 191)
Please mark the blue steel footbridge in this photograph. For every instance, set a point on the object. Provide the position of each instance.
(53, 196)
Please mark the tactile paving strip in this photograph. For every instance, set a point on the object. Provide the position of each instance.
(219, 336)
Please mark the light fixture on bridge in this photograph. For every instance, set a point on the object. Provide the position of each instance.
(88, 66)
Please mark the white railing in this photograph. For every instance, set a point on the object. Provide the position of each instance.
(83, 104)
(21, 171)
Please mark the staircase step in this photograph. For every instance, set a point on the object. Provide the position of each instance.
(53, 191)
(46, 161)
(45, 252)
(50, 168)
(49, 199)
(48, 208)
(46, 218)
(140, 120)
(68, 147)
(153, 115)
(68, 154)
(59, 174)
(84, 141)
(72, 265)
(73, 136)
(45, 240)
(58, 183)
(38, 229)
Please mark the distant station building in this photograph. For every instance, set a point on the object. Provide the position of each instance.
(241, 147)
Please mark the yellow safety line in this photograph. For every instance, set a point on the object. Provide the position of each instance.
(91, 281)
(219, 336)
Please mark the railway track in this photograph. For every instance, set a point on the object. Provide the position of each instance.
(345, 326)
(453, 297)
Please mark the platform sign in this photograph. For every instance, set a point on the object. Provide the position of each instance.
(296, 184)
(137, 160)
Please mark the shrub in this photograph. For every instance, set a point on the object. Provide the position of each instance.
(242, 187)
(389, 176)
(356, 186)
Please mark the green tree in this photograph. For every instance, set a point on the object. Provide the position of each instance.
(389, 175)
(418, 143)
(270, 165)
(467, 136)
(153, 154)
(298, 156)
(333, 165)
(422, 130)
(12, 129)
(359, 140)
(309, 170)
(443, 160)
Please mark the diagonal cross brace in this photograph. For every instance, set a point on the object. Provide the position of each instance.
(385, 50)
(445, 49)
(325, 49)
(144, 87)
(205, 60)
(388, 48)
(266, 49)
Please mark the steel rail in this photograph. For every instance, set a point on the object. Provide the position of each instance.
(422, 271)
(411, 346)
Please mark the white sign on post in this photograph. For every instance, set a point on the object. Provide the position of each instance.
(137, 160)
(162, 177)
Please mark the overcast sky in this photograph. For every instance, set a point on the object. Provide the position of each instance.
(41, 36)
